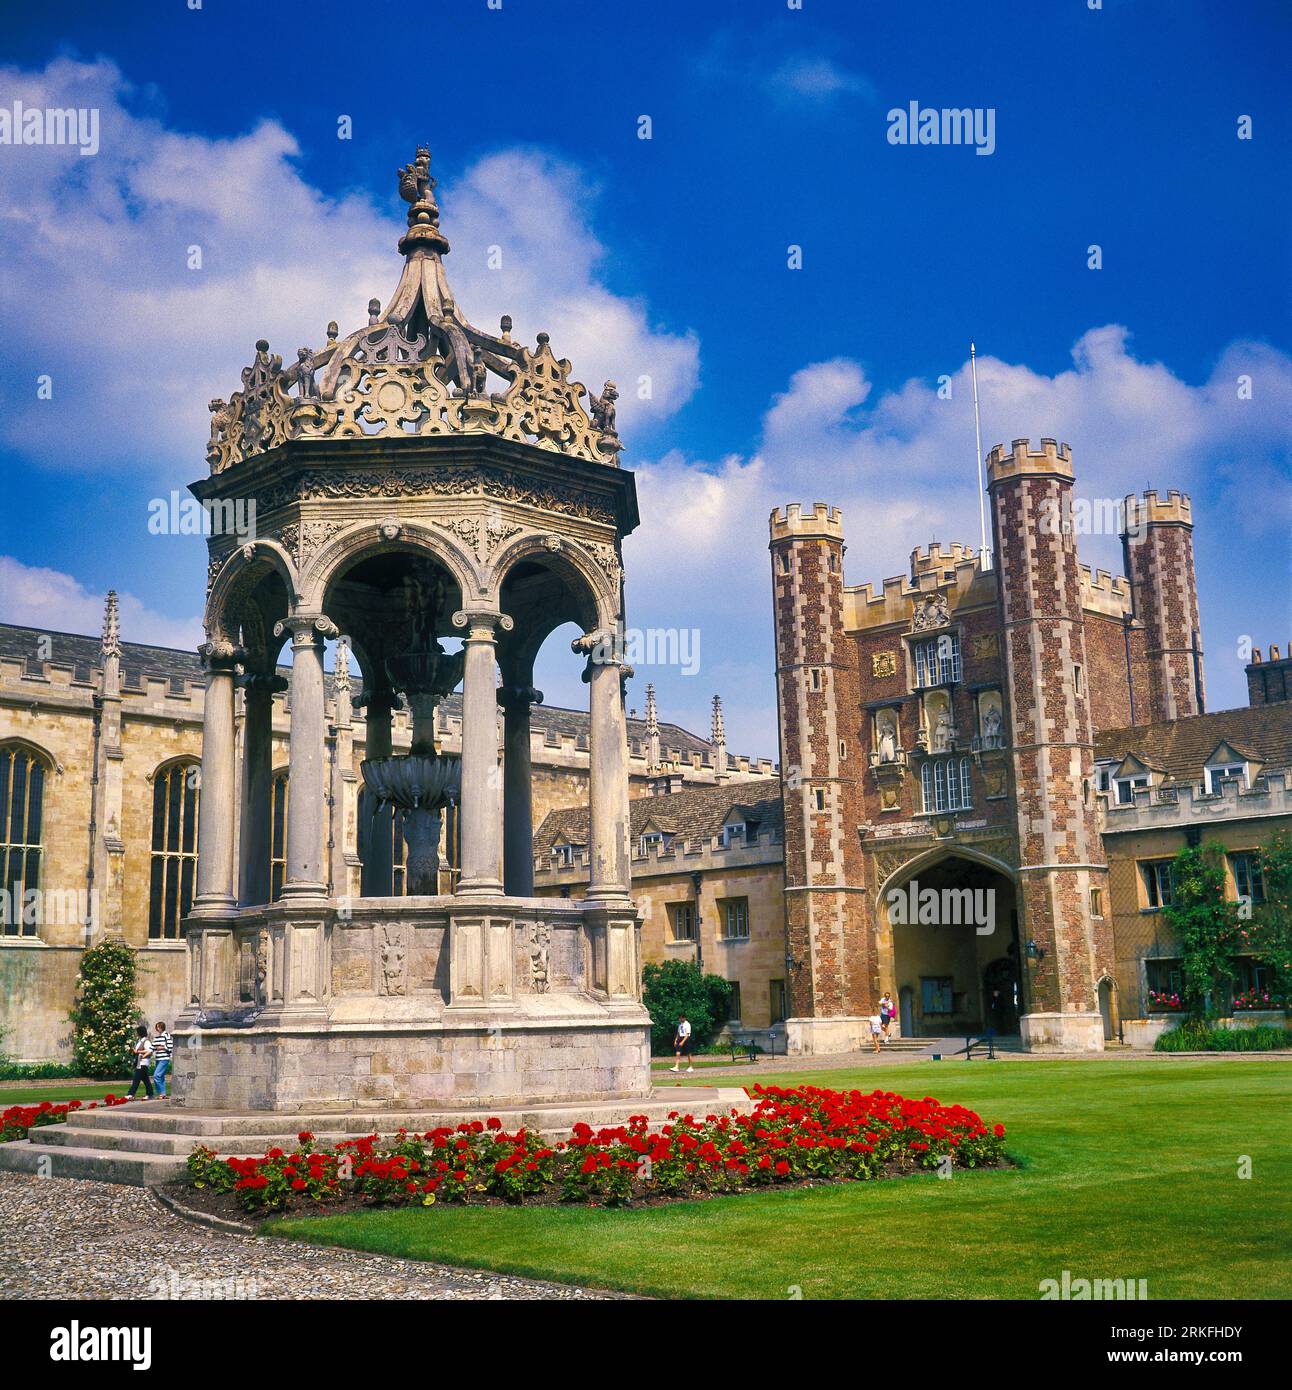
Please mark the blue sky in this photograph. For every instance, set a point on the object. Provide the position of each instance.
(668, 257)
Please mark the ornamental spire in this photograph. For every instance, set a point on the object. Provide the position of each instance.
(111, 641)
(718, 737)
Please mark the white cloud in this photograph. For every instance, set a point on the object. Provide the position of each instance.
(51, 601)
(96, 289)
(808, 78)
(902, 467)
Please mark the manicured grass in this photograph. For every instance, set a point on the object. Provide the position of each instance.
(32, 1093)
(1129, 1171)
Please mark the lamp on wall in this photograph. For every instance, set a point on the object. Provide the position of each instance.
(1034, 952)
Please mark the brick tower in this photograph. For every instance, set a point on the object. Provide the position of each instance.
(830, 947)
(1061, 859)
(1158, 546)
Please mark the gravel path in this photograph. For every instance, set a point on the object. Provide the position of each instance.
(71, 1239)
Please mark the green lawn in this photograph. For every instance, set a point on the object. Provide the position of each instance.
(1129, 1171)
(33, 1092)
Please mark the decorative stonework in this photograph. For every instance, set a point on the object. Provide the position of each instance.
(931, 611)
(420, 368)
(484, 536)
(304, 540)
(883, 665)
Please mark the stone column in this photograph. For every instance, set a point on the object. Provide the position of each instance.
(257, 787)
(305, 803)
(378, 870)
(214, 896)
(608, 867)
(481, 812)
(517, 798)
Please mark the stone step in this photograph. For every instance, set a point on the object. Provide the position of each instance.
(102, 1165)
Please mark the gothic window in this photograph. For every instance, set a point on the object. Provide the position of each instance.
(176, 792)
(682, 917)
(22, 798)
(937, 661)
(278, 837)
(946, 784)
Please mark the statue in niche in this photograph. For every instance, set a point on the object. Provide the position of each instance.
(942, 732)
(887, 730)
(991, 724)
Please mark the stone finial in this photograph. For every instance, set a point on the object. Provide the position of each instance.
(717, 729)
(111, 643)
(652, 715)
(374, 311)
(341, 673)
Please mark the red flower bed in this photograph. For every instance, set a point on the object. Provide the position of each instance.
(18, 1119)
(789, 1136)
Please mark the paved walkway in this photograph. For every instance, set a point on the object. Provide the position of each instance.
(70, 1239)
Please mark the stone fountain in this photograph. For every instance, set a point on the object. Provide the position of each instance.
(421, 782)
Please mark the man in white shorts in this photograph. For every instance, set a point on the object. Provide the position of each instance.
(682, 1044)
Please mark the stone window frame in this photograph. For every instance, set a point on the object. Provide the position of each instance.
(725, 907)
(679, 913)
(914, 641)
(941, 790)
(1151, 883)
(14, 929)
(1254, 873)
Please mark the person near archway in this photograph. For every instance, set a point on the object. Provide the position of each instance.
(886, 1011)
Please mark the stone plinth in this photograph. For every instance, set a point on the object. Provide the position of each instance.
(1062, 1032)
(409, 1001)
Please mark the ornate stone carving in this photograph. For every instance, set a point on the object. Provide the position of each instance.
(539, 951)
(933, 610)
(883, 665)
(420, 368)
(394, 960)
(483, 535)
(984, 646)
(304, 540)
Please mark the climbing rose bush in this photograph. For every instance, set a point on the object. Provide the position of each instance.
(790, 1135)
(106, 1011)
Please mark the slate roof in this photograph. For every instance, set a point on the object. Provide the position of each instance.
(1180, 748)
(692, 815)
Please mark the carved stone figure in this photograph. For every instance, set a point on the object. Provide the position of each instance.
(991, 725)
(393, 961)
(602, 407)
(942, 732)
(931, 611)
(887, 727)
(539, 948)
(304, 374)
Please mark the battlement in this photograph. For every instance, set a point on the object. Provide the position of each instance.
(793, 523)
(1021, 459)
(935, 559)
(677, 857)
(1168, 808)
(1152, 510)
(1103, 592)
(868, 606)
(1274, 654)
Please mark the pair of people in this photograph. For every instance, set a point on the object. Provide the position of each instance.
(151, 1058)
(881, 1022)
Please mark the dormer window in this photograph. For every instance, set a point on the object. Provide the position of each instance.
(1237, 771)
(1104, 776)
(563, 855)
(651, 837)
(1125, 787)
(738, 832)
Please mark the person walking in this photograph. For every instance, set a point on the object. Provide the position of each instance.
(163, 1050)
(142, 1053)
(682, 1044)
(886, 1012)
(876, 1028)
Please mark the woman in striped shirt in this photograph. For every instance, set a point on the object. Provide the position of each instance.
(163, 1046)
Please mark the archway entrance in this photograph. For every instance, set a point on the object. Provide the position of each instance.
(1108, 1007)
(954, 932)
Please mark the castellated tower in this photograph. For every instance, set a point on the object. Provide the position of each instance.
(1061, 859)
(1158, 545)
(831, 966)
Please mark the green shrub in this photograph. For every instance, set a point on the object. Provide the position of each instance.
(106, 1012)
(1195, 1036)
(35, 1071)
(677, 987)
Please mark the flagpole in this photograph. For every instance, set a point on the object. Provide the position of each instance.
(984, 561)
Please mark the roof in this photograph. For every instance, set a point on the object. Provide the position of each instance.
(692, 814)
(1180, 748)
(84, 655)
